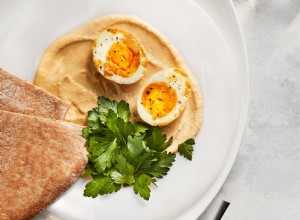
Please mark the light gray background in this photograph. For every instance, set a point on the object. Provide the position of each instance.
(264, 183)
(265, 180)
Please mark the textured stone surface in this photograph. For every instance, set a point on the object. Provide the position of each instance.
(265, 180)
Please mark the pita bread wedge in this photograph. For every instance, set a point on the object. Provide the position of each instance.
(39, 159)
(19, 96)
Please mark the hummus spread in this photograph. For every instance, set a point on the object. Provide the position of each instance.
(67, 71)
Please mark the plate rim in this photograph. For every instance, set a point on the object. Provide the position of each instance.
(202, 204)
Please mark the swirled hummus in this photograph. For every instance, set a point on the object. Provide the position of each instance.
(67, 71)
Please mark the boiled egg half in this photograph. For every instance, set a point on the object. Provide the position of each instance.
(163, 97)
(118, 56)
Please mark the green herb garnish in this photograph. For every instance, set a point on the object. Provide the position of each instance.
(124, 153)
(186, 148)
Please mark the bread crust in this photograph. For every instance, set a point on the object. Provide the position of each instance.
(17, 95)
(39, 160)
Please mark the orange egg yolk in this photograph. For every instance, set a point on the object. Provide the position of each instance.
(159, 99)
(123, 58)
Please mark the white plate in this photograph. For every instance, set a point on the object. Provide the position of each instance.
(207, 34)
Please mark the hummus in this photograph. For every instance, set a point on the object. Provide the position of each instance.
(67, 71)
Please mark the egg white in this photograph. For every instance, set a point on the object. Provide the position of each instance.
(182, 88)
(100, 50)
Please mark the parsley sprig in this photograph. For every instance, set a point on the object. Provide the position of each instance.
(123, 153)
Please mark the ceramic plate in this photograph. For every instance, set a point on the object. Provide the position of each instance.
(208, 35)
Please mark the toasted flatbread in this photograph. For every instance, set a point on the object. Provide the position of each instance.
(19, 96)
(39, 159)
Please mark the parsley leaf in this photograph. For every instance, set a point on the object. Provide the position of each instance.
(90, 170)
(93, 120)
(105, 104)
(123, 167)
(141, 186)
(169, 142)
(140, 128)
(98, 145)
(122, 179)
(161, 166)
(156, 139)
(135, 145)
(124, 173)
(100, 185)
(186, 148)
(86, 133)
(118, 126)
(123, 110)
(107, 158)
